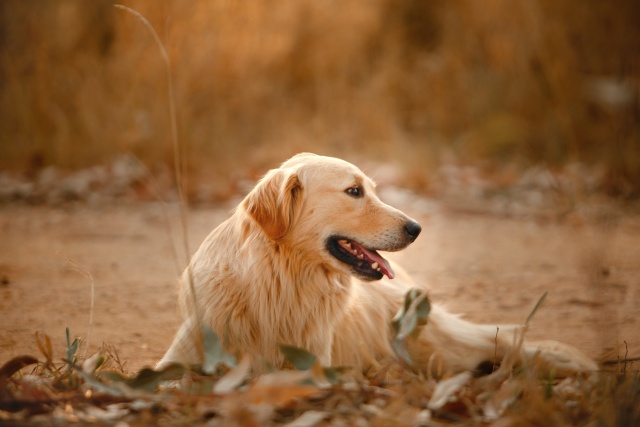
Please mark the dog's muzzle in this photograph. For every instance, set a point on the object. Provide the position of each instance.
(365, 262)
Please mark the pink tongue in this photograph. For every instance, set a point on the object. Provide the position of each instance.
(383, 263)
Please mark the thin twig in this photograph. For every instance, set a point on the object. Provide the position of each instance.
(617, 361)
(495, 350)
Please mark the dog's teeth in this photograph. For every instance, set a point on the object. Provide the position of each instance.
(344, 243)
(360, 256)
(377, 269)
(375, 266)
(347, 244)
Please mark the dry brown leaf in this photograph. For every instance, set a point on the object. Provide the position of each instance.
(279, 395)
(495, 405)
(447, 388)
(309, 419)
(14, 365)
(234, 377)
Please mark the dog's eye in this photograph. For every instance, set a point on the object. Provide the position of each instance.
(354, 191)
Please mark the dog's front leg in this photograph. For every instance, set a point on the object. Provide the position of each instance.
(184, 348)
(325, 356)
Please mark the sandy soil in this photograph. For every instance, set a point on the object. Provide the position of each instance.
(491, 268)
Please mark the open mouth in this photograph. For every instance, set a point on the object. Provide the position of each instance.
(363, 261)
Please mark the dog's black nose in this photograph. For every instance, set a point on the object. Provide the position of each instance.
(413, 229)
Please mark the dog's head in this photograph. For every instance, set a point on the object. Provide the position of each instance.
(327, 211)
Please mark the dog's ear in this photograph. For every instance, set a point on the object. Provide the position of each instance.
(273, 202)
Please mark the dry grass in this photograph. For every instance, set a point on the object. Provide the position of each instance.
(98, 390)
(494, 83)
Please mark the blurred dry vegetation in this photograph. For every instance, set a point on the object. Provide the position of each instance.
(498, 84)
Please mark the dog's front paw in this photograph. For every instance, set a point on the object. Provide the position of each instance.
(564, 360)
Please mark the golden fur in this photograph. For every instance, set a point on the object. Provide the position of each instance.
(266, 276)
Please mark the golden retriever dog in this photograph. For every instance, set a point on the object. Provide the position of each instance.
(298, 263)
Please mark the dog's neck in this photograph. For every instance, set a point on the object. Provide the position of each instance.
(280, 260)
(295, 269)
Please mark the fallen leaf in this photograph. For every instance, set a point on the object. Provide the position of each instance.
(278, 395)
(147, 379)
(494, 403)
(14, 365)
(308, 419)
(280, 388)
(299, 358)
(413, 313)
(92, 363)
(234, 377)
(214, 353)
(447, 388)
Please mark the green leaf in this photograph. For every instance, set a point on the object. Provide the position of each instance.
(407, 325)
(400, 348)
(72, 347)
(423, 308)
(413, 313)
(97, 384)
(299, 358)
(397, 319)
(148, 379)
(333, 374)
(214, 354)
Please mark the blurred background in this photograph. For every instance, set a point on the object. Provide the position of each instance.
(492, 90)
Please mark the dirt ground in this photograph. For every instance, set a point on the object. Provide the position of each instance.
(491, 268)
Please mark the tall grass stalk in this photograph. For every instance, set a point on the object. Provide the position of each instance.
(75, 266)
(178, 162)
